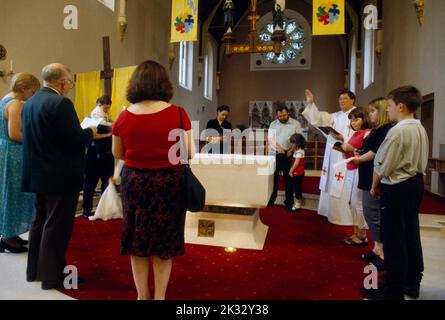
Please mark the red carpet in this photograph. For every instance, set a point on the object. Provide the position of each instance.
(304, 258)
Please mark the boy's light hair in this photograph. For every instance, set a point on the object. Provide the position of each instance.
(380, 105)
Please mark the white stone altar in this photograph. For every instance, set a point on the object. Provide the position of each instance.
(237, 186)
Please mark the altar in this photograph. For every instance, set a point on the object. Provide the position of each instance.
(237, 186)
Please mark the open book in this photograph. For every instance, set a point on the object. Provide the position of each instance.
(337, 147)
(328, 130)
(90, 122)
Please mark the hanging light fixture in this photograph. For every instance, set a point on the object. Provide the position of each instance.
(254, 45)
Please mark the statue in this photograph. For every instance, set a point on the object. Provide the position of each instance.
(229, 15)
(278, 18)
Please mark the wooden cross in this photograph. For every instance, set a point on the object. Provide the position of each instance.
(107, 73)
(339, 176)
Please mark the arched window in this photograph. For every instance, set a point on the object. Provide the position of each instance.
(368, 56)
(186, 65)
(296, 51)
(208, 72)
(353, 67)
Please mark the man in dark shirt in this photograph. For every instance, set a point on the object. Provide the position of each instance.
(215, 131)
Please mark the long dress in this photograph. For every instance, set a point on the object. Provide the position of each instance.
(334, 196)
(16, 207)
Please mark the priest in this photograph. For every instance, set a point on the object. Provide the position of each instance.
(334, 200)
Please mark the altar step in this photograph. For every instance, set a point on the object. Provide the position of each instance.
(430, 222)
(433, 223)
(310, 201)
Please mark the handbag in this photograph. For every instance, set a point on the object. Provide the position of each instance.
(195, 191)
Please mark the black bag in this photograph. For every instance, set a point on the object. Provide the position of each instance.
(196, 194)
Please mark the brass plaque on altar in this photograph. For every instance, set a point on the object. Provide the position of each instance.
(206, 228)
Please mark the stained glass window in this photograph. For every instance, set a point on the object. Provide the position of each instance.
(292, 48)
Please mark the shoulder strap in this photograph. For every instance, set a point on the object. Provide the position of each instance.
(5, 102)
(183, 146)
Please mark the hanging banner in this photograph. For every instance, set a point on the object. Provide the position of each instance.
(184, 23)
(121, 78)
(328, 17)
(88, 90)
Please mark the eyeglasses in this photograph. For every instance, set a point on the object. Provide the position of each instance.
(71, 82)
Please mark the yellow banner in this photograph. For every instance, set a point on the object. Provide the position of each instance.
(120, 83)
(328, 17)
(184, 23)
(88, 90)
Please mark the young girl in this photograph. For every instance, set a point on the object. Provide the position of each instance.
(361, 124)
(371, 207)
(297, 168)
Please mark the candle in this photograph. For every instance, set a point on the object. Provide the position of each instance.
(10, 65)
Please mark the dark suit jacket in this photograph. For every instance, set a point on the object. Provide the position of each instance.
(53, 145)
(214, 124)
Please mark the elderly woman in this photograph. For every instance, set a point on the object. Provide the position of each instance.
(16, 207)
(153, 179)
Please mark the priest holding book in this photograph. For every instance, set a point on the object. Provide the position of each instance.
(334, 201)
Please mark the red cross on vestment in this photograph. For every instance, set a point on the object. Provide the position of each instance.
(339, 176)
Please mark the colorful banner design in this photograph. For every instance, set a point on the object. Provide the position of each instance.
(184, 22)
(328, 17)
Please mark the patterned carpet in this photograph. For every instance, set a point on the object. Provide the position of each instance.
(304, 258)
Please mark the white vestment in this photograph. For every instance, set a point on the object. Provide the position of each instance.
(334, 197)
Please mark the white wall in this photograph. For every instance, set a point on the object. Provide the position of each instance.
(194, 100)
(33, 33)
(413, 54)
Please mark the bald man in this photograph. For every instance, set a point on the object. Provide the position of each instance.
(53, 168)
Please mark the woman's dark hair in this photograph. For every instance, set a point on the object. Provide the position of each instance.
(149, 81)
(298, 140)
(104, 100)
(223, 108)
(363, 114)
(408, 95)
(350, 94)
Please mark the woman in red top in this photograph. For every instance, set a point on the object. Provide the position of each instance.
(361, 124)
(153, 179)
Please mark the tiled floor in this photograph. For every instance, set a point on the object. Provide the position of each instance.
(13, 285)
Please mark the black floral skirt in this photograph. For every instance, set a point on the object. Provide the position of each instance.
(154, 207)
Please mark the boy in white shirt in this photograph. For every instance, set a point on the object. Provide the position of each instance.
(99, 158)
